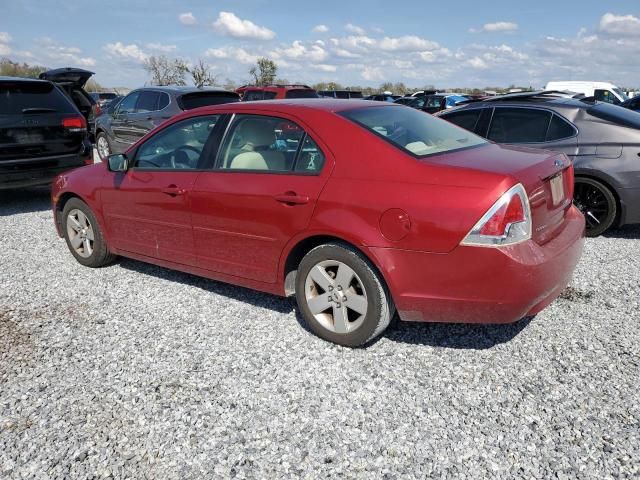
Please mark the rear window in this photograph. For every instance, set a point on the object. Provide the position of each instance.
(190, 101)
(413, 131)
(17, 98)
(107, 96)
(619, 115)
(301, 93)
(356, 95)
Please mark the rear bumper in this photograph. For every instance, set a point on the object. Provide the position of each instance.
(41, 171)
(482, 285)
(630, 200)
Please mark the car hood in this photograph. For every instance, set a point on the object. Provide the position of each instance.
(76, 77)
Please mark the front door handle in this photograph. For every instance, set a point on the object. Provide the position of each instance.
(174, 191)
(292, 198)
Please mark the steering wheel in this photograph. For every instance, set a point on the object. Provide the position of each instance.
(183, 147)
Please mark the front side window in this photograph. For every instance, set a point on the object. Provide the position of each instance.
(606, 96)
(177, 147)
(128, 103)
(269, 144)
(519, 125)
(413, 131)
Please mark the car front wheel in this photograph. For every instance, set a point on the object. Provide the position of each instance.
(341, 296)
(597, 203)
(103, 146)
(83, 235)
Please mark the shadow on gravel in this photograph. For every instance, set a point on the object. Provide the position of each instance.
(252, 297)
(25, 200)
(628, 231)
(452, 335)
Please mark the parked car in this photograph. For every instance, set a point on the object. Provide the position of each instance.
(602, 91)
(252, 93)
(103, 98)
(441, 101)
(146, 108)
(383, 97)
(632, 104)
(72, 82)
(42, 133)
(358, 209)
(341, 94)
(601, 139)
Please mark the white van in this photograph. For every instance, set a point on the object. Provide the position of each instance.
(603, 91)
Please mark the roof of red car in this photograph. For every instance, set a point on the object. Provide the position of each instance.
(324, 104)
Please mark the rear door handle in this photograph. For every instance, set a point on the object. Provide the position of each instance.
(173, 191)
(292, 198)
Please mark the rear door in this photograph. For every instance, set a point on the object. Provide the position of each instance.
(148, 207)
(268, 176)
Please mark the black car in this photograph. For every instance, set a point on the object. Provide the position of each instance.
(103, 98)
(632, 104)
(602, 140)
(42, 133)
(72, 82)
(145, 108)
(340, 94)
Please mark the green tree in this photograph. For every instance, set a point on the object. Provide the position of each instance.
(264, 72)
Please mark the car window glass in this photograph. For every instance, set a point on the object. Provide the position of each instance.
(519, 125)
(20, 97)
(605, 96)
(190, 101)
(128, 104)
(253, 95)
(163, 101)
(465, 119)
(559, 129)
(261, 143)
(342, 94)
(178, 146)
(311, 158)
(412, 130)
(147, 102)
(355, 95)
(301, 93)
(270, 95)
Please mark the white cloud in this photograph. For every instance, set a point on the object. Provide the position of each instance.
(52, 52)
(126, 52)
(372, 74)
(324, 67)
(298, 50)
(620, 24)
(478, 63)
(320, 29)
(232, 53)
(229, 24)
(351, 28)
(5, 37)
(187, 18)
(496, 27)
(159, 47)
(408, 43)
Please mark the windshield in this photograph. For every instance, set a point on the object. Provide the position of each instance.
(413, 131)
(620, 93)
(615, 114)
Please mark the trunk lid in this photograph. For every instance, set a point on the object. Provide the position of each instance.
(546, 176)
(75, 77)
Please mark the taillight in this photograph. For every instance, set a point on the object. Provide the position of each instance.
(74, 124)
(97, 110)
(507, 222)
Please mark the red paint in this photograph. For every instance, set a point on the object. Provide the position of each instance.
(407, 215)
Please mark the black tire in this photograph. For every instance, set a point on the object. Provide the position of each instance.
(597, 203)
(100, 255)
(104, 136)
(380, 308)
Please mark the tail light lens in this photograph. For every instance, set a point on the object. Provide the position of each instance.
(74, 124)
(97, 109)
(507, 222)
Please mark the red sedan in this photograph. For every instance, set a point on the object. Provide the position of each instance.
(359, 210)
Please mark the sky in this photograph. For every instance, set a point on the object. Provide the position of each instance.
(419, 43)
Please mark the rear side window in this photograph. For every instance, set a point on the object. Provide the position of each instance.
(17, 98)
(190, 101)
(519, 125)
(253, 95)
(559, 129)
(163, 101)
(466, 119)
(301, 93)
(413, 131)
(270, 95)
(311, 158)
(147, 102)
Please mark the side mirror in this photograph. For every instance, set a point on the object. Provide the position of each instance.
(118, 163)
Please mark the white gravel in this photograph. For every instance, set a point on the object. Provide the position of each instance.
(134, 371)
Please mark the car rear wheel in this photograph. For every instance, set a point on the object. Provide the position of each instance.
(83, 235)
(103, 146)
(341, 296)
(597, 203)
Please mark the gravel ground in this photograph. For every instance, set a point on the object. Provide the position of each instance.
(134, 371)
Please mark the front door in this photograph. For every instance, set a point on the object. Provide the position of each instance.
(268, 176)
(121, 122)
(147, 208)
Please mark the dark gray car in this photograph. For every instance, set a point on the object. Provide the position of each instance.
(145, 108)
(602, 141)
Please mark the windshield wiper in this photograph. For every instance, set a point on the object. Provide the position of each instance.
(38, 110)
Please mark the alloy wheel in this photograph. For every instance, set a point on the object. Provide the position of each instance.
(593, 204)
(336, 296)
(102, 145)
(80, 233)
